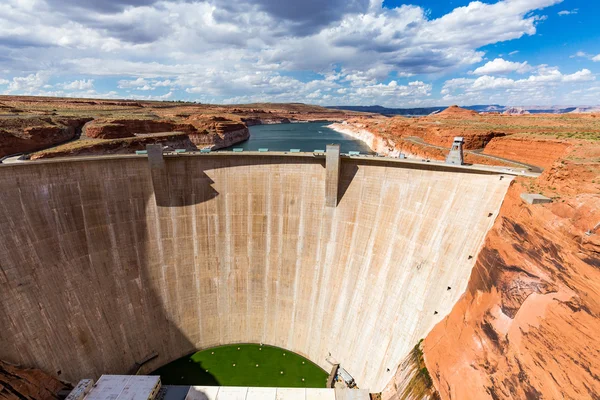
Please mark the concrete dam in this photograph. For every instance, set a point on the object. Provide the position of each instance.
(107, 260)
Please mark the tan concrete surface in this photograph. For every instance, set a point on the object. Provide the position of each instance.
(94, 276)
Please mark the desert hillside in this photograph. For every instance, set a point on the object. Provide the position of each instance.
(53, 127)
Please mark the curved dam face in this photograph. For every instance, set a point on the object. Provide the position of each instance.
(100, 267)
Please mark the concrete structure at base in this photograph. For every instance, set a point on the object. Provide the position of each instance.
(125, 387)
(103, 264)
(456, 156)
(534, 198)
(135, 387)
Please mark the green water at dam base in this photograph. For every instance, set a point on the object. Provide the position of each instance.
(244, 365)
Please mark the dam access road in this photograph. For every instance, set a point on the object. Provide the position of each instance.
(105, 260)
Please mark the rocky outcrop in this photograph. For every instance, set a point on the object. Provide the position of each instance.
(171, 141)
(444, 137)
(31, 134)
(377, 143)
(515, 111)
(224, 135)
(127, 136)
(28, 384)
(455, 110)
(265, 121)
(113, 129)
(532, 151)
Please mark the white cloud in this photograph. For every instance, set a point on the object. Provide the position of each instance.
(568, 12)
(132, 84)
(79, 85)
(222, 51)
(166, 96)
(28, 84)
(4, 82)
(393, 89)
(539, 88)
(583, 54)
(501, 66)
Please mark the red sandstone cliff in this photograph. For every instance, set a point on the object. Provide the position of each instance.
(22, 384)
(537, 152)
(31, 134)
(122, 128)
(171, 141)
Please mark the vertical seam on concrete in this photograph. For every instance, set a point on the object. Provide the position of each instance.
(173, 211)
(365, 267)
(341, 306)
(267, 287)
(229, 256)
(249, 246)
(281, 207)
(299, 247)
(196, 268)
(317, 274)
(384, 271)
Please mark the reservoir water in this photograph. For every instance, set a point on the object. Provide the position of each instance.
(303, 136)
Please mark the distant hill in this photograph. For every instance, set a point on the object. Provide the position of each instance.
(478, 108)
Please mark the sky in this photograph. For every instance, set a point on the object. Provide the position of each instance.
(392, 53)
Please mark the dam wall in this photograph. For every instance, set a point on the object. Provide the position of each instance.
(99, 268)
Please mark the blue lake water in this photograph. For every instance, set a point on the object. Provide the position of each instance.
(304, 136)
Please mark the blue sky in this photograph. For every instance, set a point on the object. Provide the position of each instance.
(337, 52)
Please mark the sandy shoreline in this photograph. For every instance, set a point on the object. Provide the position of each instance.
(375, 143)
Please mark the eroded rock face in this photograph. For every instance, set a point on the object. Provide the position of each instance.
(22, 384)
(527, 326)
(539, 152)
(113, 129)
(124, 146)
(31, 134)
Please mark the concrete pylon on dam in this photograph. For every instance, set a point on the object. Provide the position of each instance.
(332, 178)
(99, 269)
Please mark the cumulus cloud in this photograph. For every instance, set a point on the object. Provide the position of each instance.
(596, 58)
(79, 85)
(537, 88)
(222, 50)
(302, 17)
(501, 66)
(28, 84)
(166, 96)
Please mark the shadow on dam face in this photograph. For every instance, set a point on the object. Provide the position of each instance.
(98, 270)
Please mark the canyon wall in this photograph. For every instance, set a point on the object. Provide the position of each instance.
(100, 267)
(25, 135)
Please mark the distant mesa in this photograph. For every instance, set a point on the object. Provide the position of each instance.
(455, 110)
(516, 111)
